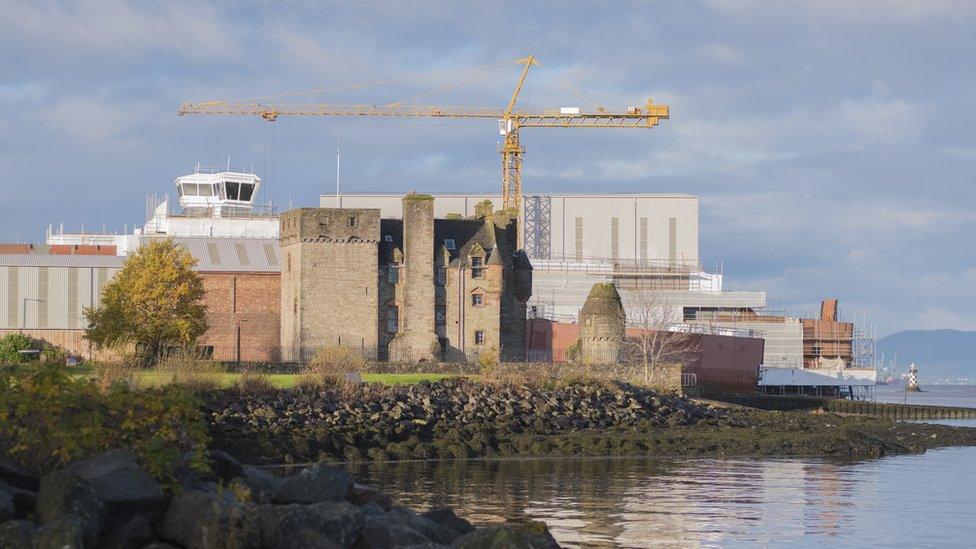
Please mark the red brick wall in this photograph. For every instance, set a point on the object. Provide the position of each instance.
(247, 303)
(724, 363)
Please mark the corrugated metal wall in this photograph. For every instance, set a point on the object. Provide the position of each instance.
(65, 291)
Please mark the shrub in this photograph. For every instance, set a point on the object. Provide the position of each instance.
(10, 347)
(573, 352)
(333, 363)
(108, 374)
(189, 367)
(48, 419)
(254, 383)
(488, 363)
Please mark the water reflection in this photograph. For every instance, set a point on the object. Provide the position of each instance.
(668, 502)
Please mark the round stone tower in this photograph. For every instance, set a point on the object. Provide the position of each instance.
(602, 325)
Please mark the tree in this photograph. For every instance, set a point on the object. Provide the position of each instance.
(154, 302)
(656, 336)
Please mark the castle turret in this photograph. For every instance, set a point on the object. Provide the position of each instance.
(417, 337)
(602, 325)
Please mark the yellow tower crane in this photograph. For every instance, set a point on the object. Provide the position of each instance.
(510, 121)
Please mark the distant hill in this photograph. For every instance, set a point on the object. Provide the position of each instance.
(941, 354)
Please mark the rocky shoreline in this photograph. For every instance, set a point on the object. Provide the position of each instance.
(460, 419)
(110, 501)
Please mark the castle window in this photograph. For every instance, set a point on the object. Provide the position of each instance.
(393, 273)
(477, 267)
(351, 221)
(479, 337)
(440, 276)
(477, 300)
(440, 316)
(392, 319)
(449, 243)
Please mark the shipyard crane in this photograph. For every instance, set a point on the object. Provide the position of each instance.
(510, 121)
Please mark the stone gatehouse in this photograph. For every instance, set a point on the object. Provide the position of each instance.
(413, 289)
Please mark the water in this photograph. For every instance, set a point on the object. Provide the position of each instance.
(935, 395)
(912, 500)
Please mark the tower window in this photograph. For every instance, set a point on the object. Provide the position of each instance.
(479, 337)
(393, 273)
(392, 319)
(477, 300)
(477, 267)
(351, 221)
(440, 316)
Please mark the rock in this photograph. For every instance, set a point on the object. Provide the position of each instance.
(16, 534)
(7, 509)
(361, 495)
(431, 530)
(203, 520)
(263, 485)
(122, 484)
(295, 525)
(134, 534)
(17, 477)
(447, 517)
(372, 508)
(225, 467)
(61, 494)
(380, 532)
(66, 532)
(504, 536)
(316, 483)
(24, 502)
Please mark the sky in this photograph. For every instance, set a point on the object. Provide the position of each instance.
(831, 142)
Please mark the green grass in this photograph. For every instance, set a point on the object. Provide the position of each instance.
(287, 381)
(282, 381)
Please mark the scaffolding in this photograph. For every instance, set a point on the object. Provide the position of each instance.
(538, 215)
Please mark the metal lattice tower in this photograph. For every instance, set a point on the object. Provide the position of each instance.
(538, 214)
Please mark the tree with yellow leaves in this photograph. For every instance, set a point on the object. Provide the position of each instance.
(154, 302)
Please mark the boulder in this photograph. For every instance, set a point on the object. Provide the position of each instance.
(263, 485)
(431, 530)
(504, 536)
(24, 502)
(16, 534)
(316, 483)
(62, 494)
(66, 532)
(203, 520)
(224, 467)
(446, 517)
(380, 532)
(361, 495)
(7, 510)
(134, 534)
(122, 484)
(17, 477)
(294, 525)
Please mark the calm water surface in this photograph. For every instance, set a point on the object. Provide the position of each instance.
(903, 501)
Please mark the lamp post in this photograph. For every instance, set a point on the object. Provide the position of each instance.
(23, 321)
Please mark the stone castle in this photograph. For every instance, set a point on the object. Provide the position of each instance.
(406, 290)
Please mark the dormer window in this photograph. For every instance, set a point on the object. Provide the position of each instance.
(449, 244)
(387, 238)
(477, 267)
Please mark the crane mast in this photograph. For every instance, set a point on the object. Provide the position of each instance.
(510, 121)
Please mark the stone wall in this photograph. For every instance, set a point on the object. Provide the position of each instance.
(329, 284)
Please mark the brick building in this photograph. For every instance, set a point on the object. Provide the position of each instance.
(419, 288)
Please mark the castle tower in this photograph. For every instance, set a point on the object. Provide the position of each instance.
(417, 337)
(602, 325)
(329, 280)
